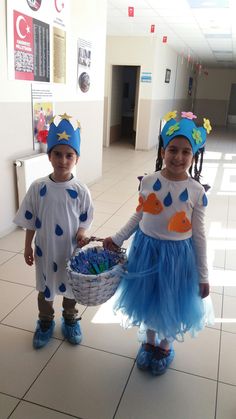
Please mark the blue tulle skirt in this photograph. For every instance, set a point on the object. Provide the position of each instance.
(160, 290)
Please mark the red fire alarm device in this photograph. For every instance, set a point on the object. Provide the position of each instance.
(131, 11)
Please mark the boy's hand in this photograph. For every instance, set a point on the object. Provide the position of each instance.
(29, 256)
(109, 244)
(81, 240)
(204, 290)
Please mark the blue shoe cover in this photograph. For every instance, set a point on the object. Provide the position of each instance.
(161, 360)
(144, 356)
(72, 332)
(42, 337)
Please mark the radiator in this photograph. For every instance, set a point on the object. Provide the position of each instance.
(29, 169)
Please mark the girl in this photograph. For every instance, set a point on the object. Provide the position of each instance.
(59, 209)
(167, 276)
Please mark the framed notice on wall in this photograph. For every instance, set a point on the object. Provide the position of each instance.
(30, 42)
(167, 75)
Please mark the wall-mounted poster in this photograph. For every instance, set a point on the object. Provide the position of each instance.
(31, 32)
(84, 64)
(42, 113)
(59, 55)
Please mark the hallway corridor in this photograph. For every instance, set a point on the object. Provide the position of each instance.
(99, 378)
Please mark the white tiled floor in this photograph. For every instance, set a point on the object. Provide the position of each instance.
(99, 379)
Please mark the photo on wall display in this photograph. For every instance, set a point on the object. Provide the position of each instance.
(84, 64)
(42, 113)
(167, 75)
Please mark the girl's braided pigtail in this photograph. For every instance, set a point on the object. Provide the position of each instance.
(159, 160)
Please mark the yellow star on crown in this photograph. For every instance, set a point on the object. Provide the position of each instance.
(65, 116)
(63, 136)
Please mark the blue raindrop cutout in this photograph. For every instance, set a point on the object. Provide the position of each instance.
(168, 200)
(39, 251)
(204, 200)
(157, 185)
(184, 195)
(58, 230)
(43, 190)
(83, 217)
(54, 267)
(47, 292)
(28, 215)
(73, 194)
(38, 223)
(62, 288)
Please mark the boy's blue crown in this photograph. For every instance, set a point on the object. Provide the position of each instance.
(63, 133)
(186, 128)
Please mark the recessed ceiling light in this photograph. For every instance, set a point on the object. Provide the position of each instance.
(200, 4)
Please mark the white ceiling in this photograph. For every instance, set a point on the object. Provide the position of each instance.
(203, 31)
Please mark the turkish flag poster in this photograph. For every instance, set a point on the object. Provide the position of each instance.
(31, 46)
(23, 46)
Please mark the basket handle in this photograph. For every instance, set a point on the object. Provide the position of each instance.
(99, 239)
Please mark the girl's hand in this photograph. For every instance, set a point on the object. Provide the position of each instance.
(29, 255)
(109, 244)
(204, 290)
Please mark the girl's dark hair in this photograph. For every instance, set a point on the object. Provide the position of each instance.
(159, 160)
(194, 170)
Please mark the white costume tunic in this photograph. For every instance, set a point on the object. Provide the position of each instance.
(55, 210)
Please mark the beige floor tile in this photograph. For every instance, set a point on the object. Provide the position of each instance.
(231, 209)
(226, 402)
(95, 378)
(106, 207)
(14, 242)
(227, 372)
(229, 314)
(216, 253)
(5, 255)
(16, 292)
(115, 197)
(230, 259)
(217, 307)
(7, 405)
(27, 410)
(20, 364)
(116, 222)
(231, 290)
(193, 357)
(100, 218)
(174, 395)
(102, 330)
(222, 277)
(15, 270)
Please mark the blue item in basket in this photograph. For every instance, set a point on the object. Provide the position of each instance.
(94, 261)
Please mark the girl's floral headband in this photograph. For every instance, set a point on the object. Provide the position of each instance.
(185, 127)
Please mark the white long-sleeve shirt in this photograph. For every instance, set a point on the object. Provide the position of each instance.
(170, 210)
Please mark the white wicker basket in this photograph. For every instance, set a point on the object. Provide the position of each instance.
(93, 290)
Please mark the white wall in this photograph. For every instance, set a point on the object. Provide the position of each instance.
(213, 94)
(88, 21)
